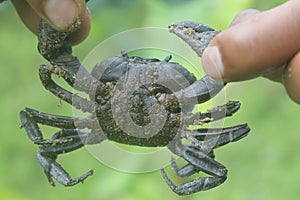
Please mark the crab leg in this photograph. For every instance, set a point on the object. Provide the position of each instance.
(212, 139)
(185, 171)
(203, 162)
(188, 169)
(193, 155)
(64, 141)
(196, 185)
(217, 137)
(53, 169)
(58, 121)
(212, 114)
(32, 129)
(30, 119)
(200, 157)
(46, 119)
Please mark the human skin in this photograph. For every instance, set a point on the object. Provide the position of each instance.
(259, 44)
(60, 14)
(256, 44)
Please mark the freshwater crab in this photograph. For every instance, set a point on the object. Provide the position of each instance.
(114, 90)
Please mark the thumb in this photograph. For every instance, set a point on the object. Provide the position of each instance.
(60, 14)
(255, 45)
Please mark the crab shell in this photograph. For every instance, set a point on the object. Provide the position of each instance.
(121, 74)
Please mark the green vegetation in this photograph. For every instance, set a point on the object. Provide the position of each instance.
(265, 165)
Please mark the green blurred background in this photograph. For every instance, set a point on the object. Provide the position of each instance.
(265, 165)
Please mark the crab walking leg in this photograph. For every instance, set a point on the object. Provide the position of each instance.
(212, 114)
(216, 137)
(65, 136)
(31, 118)
(201, 162)
(185, 171)
(53, 169)
(194, 156)
(64, 141)
(58, 121)
(188, 169)
(206, 140)
(32, 129)
(199, 184)
(46, 119)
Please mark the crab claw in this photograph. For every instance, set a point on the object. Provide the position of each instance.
(198, 36)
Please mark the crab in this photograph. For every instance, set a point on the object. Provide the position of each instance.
(151, 92)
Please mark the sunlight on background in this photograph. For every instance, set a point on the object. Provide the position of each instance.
(264, 165)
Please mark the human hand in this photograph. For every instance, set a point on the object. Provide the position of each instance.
(259, 44)
(59, 14)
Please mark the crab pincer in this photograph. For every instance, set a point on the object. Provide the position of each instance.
(196, 35)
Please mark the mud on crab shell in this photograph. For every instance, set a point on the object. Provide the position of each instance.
(112, 94)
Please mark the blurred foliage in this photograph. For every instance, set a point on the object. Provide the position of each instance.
(265, 165)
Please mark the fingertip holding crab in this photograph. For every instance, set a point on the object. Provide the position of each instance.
(212, 62)
(61, 14)
(290, 79)
(83, 31)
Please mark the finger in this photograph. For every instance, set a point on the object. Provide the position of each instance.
(84, 30)
(31, 19)
(27, 15)
(248, 49)
(243, 16)
(59, 14)
(291, 78)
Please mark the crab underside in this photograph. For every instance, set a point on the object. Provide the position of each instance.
(131, 98)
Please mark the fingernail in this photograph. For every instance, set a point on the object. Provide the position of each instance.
(212, 62)
(244, 15)
(62, 14)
